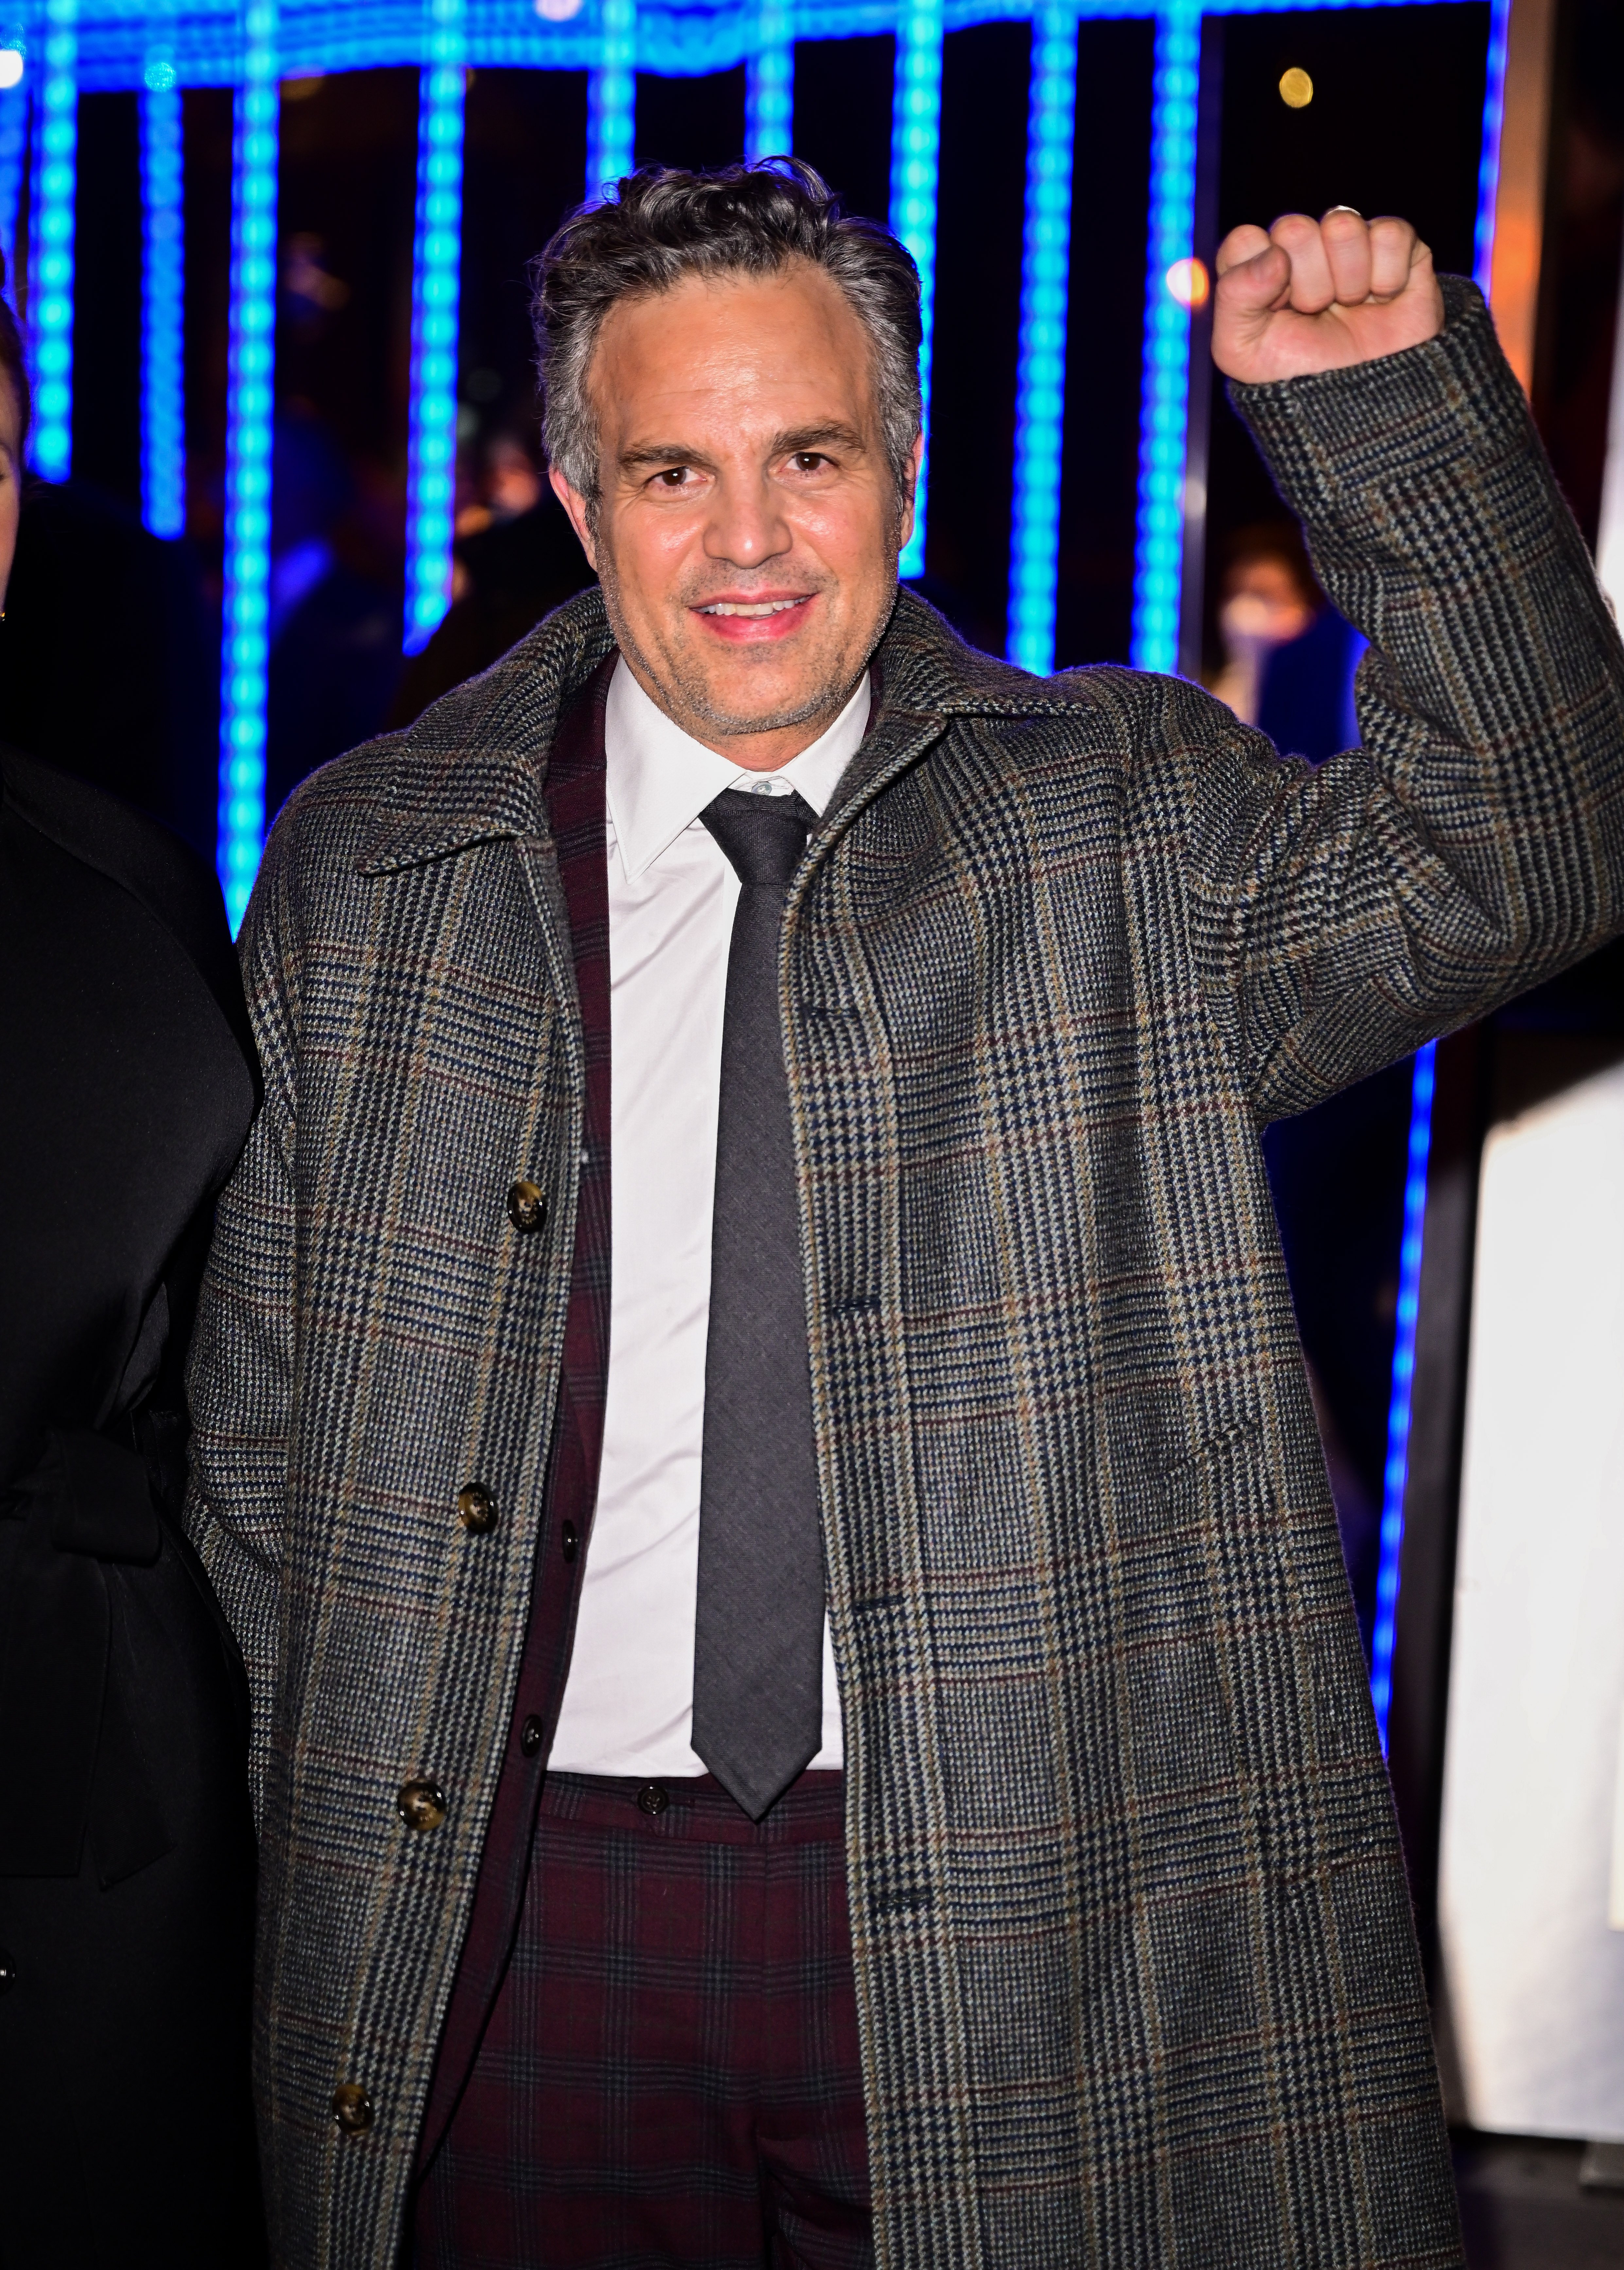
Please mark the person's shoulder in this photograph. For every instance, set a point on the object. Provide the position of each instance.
(121, 841)
(466, 766)
(926, 665)
(177, 887)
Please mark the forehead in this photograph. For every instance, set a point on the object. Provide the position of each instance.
(748, 349)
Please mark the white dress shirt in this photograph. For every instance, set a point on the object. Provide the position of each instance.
(628, 1702)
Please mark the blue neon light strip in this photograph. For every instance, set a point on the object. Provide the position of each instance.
(674, 36)
(1397, 1472)
(916, 149)
(50, 273)
(611, 98)
(250, 400)
(1040, 369)
(1164, 398)
(163, 305)
(436, 268)
(13, 158)
(1488, 159)
(769, 85)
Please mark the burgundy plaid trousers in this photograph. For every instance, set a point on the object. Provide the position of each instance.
(670, 2074)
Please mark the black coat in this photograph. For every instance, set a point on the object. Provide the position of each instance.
(127, 1085)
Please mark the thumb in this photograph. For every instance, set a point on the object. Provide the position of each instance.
(1253, 272)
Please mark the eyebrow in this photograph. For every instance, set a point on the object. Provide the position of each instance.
(654, 453)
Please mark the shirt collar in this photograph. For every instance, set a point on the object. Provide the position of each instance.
(658, 779)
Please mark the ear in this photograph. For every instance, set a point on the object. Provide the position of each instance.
(580, 519)
(915, 459)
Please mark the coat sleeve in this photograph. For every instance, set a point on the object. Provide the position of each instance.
(240, 1377)
(1475, 843)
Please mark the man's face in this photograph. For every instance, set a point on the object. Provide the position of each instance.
(746, 534)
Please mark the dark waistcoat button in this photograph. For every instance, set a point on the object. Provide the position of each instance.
(652, 1799)
(569, 1541)
(529, 1736)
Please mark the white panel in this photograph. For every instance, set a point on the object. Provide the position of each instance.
(1534, 1977)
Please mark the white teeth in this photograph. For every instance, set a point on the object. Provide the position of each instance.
(761, 607)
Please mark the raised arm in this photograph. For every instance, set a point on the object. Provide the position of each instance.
(1475, 843)
(240, 1380)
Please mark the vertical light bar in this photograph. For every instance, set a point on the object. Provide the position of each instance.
(1040, 366)
(50, 263)
(163, 275)
(13, 151)
(251, 370)
(436, 269)
(916, 148)
(611, 99)
(1488, 156)
(770, 85)
(1164, 391)
(1395, 1473)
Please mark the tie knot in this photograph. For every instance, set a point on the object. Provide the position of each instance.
(763, 836)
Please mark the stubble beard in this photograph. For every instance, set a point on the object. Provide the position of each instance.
(683, 692)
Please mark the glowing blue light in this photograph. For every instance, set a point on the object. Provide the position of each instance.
(1396, 1473)
(770, 85)
(1040, 369)
(50, 265)
(13, 157)
(915, 147)
(250, 359)
(611, 98)
(163, 382)
(436, 269)
(1164, 396)
(1488, 158)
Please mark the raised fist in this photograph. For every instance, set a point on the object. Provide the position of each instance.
(1310, 295)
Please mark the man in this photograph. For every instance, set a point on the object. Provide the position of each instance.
(910, 1022)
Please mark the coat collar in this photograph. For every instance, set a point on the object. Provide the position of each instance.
(471, 767)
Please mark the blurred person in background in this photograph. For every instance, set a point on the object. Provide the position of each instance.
(128, 1081)
(516, 558)
(335, 610)
(1289, 656)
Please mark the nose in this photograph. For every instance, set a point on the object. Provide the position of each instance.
(746, 527)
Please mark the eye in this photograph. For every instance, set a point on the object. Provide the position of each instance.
(672, 477)
(807, 461)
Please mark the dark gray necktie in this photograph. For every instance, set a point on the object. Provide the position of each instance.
(758, 1651)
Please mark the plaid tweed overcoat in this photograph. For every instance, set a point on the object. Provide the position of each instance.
(1135, 1965)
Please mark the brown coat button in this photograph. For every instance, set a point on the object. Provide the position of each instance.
(651, 1798)
(527, 1206)
(476, 1508)
(422, 1805)
(352, 2108)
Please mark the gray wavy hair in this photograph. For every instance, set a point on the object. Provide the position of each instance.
(665, 225)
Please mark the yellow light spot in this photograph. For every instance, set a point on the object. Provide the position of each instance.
(1187, 280)
(1296, 89)
(300, 89)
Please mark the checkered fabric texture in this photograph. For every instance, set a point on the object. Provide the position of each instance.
(670, 2072)
(1136, 1978)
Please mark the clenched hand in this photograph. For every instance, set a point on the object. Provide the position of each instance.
(1309, 296)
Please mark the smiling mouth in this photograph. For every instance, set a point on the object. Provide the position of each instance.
(755, 607)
